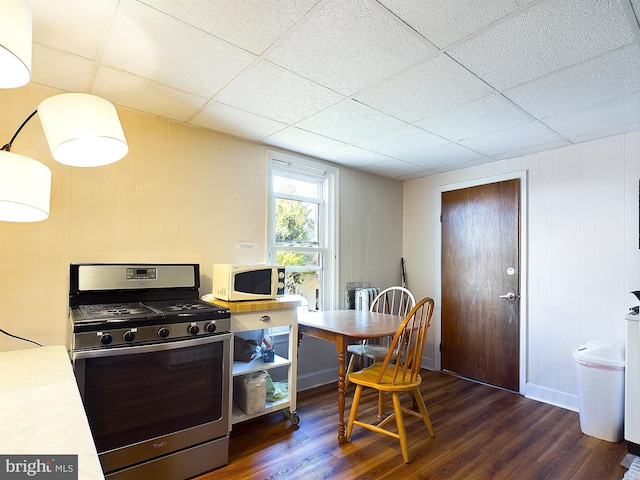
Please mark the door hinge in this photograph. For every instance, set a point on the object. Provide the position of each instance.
(440, 218)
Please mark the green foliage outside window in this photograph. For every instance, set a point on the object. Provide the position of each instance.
(293, 220)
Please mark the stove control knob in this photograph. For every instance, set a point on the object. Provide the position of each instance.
(106, 338)
(193, 329)
(163, 332)
(129, 336)
(210, 327)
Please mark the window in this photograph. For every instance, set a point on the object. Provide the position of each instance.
(302, 226)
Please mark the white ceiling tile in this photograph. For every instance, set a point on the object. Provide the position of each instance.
(59, 69)
(486, 115)
(75, 26)
(148, 43)
(419, 174)
(353, 156)
(407, 140)
(271, 91)
(432, 87)
(251, 25)
(607, 132)
(223, 118)
(141, 94)
(608, 115)
(528, 135)
(528, 150)
(348, 45)
(298, 140)
(548, 36)
(444, 22)
(350, 122)
(392, 168)
(448, 167)
(449, 154)
(601, 79)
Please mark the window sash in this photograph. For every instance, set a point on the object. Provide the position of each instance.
(306, 171)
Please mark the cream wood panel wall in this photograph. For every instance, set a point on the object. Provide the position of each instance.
(583, 256)
(370, 230)
(182, 194)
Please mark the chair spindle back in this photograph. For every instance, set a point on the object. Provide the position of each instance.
(394, 300)
(405, 351)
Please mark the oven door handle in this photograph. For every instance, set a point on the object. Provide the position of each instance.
(153, 347)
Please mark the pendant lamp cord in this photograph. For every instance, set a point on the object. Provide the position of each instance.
(19, 338)
(7, 147)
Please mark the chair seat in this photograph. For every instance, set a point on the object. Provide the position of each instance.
(367, 377)
(369, 351)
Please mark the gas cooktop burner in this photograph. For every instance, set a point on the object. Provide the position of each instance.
(182, 305)
(115, 310)
(118, 312)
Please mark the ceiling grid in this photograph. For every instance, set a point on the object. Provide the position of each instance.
(399, 88)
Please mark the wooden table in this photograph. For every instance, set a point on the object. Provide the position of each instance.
(344, 327)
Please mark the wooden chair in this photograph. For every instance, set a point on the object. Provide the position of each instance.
(395, 300)
(398, 373)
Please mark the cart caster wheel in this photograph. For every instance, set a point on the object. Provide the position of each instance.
(295, 419)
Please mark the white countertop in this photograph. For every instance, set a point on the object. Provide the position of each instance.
(41, 410)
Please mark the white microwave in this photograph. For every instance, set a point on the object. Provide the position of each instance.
(233, 282)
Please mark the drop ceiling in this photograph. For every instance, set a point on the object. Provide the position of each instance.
(399, 88)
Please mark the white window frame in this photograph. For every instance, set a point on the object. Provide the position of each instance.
(328, 219)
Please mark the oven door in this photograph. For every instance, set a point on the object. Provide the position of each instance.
(147, 401)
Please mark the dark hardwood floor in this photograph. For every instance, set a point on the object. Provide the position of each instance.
(481, 433)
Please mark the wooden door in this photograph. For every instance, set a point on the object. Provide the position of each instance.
(480, 269)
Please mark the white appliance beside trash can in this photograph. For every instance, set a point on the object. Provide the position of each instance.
(632, 381)
(600, 365)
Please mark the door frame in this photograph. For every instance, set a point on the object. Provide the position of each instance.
(522, 176)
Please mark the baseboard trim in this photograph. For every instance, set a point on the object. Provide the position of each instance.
(552, 397)
(317, 379)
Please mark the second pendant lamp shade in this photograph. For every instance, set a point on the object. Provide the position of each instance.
(82, 130)
(25, 188)
(15, 43)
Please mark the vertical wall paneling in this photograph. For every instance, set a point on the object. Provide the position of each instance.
(124, 191)
(632, 258)
(191, 162)
(609, 238)
(151, 189)
(587, 206)
(370, 230)
(177, 166)
(564, 220)
(104, 212)
(580, 213)
(80, 213)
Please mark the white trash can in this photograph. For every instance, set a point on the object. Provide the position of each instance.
(600, 365)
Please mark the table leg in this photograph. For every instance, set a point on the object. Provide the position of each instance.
(341, 347)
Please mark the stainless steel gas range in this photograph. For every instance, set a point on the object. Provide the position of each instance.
(153, 366)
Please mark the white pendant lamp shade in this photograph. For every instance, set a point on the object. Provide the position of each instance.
(25, 188)
(82, 130)
(15, 43)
